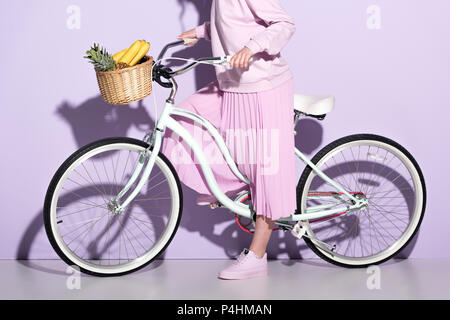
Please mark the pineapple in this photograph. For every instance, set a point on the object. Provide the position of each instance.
(100, 58)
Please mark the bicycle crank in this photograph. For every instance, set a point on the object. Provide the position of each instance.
(299, 231)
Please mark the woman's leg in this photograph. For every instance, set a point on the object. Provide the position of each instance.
(261, 140)
(252, 262)
(261, 237)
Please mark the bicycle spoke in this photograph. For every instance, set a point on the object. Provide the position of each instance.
(93, 183)
(125, 167)
(91, 221)
(378, 174)
(107, 177)
(349, 169)
(126, 234)
(78, 211)
(86, 232)
(80, 197)
(145, 234)
(98, 175)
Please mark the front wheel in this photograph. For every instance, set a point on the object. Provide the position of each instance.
(379, 170)
(86, 232)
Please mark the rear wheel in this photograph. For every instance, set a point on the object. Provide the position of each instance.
(78, 215)
(379, 170)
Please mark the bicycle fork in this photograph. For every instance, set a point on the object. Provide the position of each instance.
(153, 139)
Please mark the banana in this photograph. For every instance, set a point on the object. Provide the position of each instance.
(131, 52)
(119, 55)
(141, 53)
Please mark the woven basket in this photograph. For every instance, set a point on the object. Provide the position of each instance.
(126, 85)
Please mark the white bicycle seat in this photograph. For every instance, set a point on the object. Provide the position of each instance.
(315, 105)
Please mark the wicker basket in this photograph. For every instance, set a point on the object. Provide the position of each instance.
(126, 85)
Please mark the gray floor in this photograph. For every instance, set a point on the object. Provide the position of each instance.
(196, 279)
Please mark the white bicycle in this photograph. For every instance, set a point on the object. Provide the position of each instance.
(115, 204)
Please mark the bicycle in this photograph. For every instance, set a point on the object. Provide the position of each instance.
(115, 204)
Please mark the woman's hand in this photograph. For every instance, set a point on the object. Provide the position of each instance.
(241, 58)
(190, 35)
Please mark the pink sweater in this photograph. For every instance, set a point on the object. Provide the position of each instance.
(261, 25)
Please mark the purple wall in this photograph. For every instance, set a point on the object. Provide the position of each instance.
(392, 81)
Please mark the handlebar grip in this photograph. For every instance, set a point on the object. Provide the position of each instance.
(228, 59)
(189, 40)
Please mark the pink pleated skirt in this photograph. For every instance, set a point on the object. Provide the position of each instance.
(258, 129)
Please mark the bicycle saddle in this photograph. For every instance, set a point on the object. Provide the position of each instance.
(315, 105)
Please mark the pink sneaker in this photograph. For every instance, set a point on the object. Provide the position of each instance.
(247, 265)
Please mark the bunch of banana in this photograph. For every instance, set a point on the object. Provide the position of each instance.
(131, 56)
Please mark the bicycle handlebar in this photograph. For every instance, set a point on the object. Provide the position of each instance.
(172, 44)
(160, 70)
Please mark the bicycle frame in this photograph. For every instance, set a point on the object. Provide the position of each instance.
(155, 141)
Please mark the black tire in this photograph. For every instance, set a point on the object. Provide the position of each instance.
(51, 189)
(322, 153)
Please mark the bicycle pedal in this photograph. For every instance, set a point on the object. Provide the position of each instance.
(332, 247)
(299, 230)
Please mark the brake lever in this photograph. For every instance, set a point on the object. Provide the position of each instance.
(164, 72)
